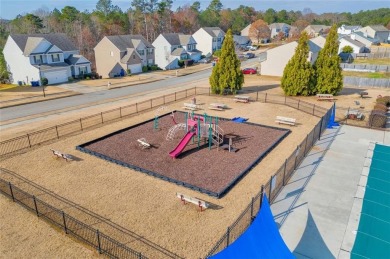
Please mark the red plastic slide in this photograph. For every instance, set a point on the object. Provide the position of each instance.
(182, 144)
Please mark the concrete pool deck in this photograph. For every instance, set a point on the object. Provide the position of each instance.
(319, 208)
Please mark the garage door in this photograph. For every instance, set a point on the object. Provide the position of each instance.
(56, 76)
(135, 68)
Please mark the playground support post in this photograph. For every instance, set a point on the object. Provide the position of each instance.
(198, 131)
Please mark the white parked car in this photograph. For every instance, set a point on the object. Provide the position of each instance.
(252, 48)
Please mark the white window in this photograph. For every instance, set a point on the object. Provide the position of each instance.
(141, 52)
(83, 70)
(38, 59)
(219, 39)
(214, 39)
(150, 51)
(55, 57)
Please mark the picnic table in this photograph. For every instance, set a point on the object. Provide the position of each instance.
(241, 98)
(217, 106)
(354, 115)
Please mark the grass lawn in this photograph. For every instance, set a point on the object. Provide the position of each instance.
(372, 61)
(7, 86)
(367, 75)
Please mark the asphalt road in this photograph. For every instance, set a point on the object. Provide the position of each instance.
(74, 101)
(50, 106)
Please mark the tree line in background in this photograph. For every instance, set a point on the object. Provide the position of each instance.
(152, 17)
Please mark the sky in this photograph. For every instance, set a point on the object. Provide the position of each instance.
(9, 9)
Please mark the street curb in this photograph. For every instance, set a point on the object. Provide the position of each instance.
(19, 104)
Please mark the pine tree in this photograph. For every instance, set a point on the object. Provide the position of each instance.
(298, 73)
(227, 72)
(328, 74)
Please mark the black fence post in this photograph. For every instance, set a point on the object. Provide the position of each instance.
(101, 115)
(252, 208)
(261, 196)
(195, 90)
(35, 205)
(186, 93)
(136, 107)
(12, 193)
(151, 103)
(139, 255)
(307, 136)
(164, 98)
(58, 136)
(314, 107)
(319, 134)
(265, 99)
(257, 96)
(175, 96)
(81, 124)
(284, 172)
(346, 119)
(29, 142)
(270, 189)
(120, 112)
(63, 218)
(98, 240)
(313, 136)
(227, 236)
(295, 162)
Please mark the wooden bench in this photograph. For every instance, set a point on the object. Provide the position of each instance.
(184, 198)
(285, 120)
(217, 106)
(325, 97)
(363, 94)
(142, 143)
(62, 155)
(241, 98)
(190, 106)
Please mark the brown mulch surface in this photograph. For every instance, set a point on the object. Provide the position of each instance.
(212, 170)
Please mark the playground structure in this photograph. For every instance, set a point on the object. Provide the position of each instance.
(157, 115)
(196, 126)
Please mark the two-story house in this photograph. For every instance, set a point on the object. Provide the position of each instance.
(316, 30)
(172, 47)
(277, 28)
(116, 55)
(209, 39)
(376, 32)
(35, 56)
(276, 59)
(348, 29)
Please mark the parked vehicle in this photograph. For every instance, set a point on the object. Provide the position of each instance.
(204, 61)
(249, 71)
(249, 55)
(252, 48)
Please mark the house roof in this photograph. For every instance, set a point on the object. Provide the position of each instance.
(361, 34)
(278, 25)
(129, 52)
(317, 28)
(354, 42)
(123, 42)
(351, 27)
(378, 27)
(317, 43)
(177, 38)
(241, 40)
(50, 66)
(213, 31)
(73, 59)
(178, 52)
(26, 41)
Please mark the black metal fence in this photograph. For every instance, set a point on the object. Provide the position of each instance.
(113, 248)
(280, 178)
(91, 236)
(49, 134)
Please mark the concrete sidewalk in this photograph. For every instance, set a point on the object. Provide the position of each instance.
(313, 210)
